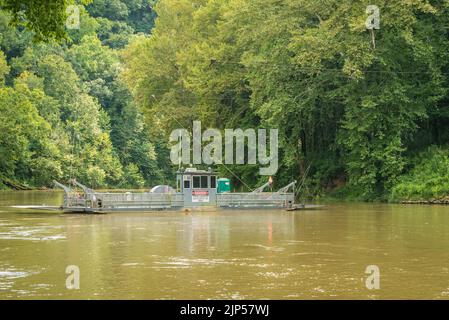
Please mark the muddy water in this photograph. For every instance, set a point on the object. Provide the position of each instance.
(224, 255)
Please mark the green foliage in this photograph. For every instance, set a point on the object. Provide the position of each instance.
(352, 111)
(89, 26)
(132, 177)
(13, 41)
(307, 68)
(45, 18)
(4, 68)
(65, 113)
(428, 178)
(25, 136)
(118, 20)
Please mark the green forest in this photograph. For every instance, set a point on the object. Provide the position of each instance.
(362, 114)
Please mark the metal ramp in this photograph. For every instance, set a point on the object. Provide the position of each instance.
(258, 198)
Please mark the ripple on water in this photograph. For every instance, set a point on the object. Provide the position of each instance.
(268, 248)
(9, 275)
(132, 264)
(42, 286)
(3, 224)
(13, 274)
(31, 233)
(7, 278)
(276, 275)
(180, 262)
(314, 254)
(230, 295)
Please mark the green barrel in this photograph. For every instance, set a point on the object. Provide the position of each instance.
(224, 185)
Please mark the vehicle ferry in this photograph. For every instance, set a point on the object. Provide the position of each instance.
(198, 190)
(195, 190)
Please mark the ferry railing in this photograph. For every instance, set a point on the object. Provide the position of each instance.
(138, 200)
(73, 202)
(259, 199)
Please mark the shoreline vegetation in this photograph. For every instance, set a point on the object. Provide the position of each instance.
(98, 103)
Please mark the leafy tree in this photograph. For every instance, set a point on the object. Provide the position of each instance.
(307, 68)
(119, 20)
(13, 41)
(46, 19)
(114, 34)
(428, 178)
(358, 114)
(4, 68)
(112, 9)
(88, 26)
(24, 142)
(73, 86)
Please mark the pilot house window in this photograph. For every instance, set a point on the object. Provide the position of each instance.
(204, 182)
(196, 181)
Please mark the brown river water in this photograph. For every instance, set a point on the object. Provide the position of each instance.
(238, 254)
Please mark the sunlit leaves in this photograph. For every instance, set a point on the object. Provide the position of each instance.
(4, 68)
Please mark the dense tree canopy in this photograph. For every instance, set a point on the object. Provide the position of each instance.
(47, 19)
(362, 108)
(355, 112)
(64, 103)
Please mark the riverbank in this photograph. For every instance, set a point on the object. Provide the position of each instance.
(444, 201)
(8, 185)
(429, 201)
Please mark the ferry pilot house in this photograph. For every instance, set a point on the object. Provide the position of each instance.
(199, 187)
